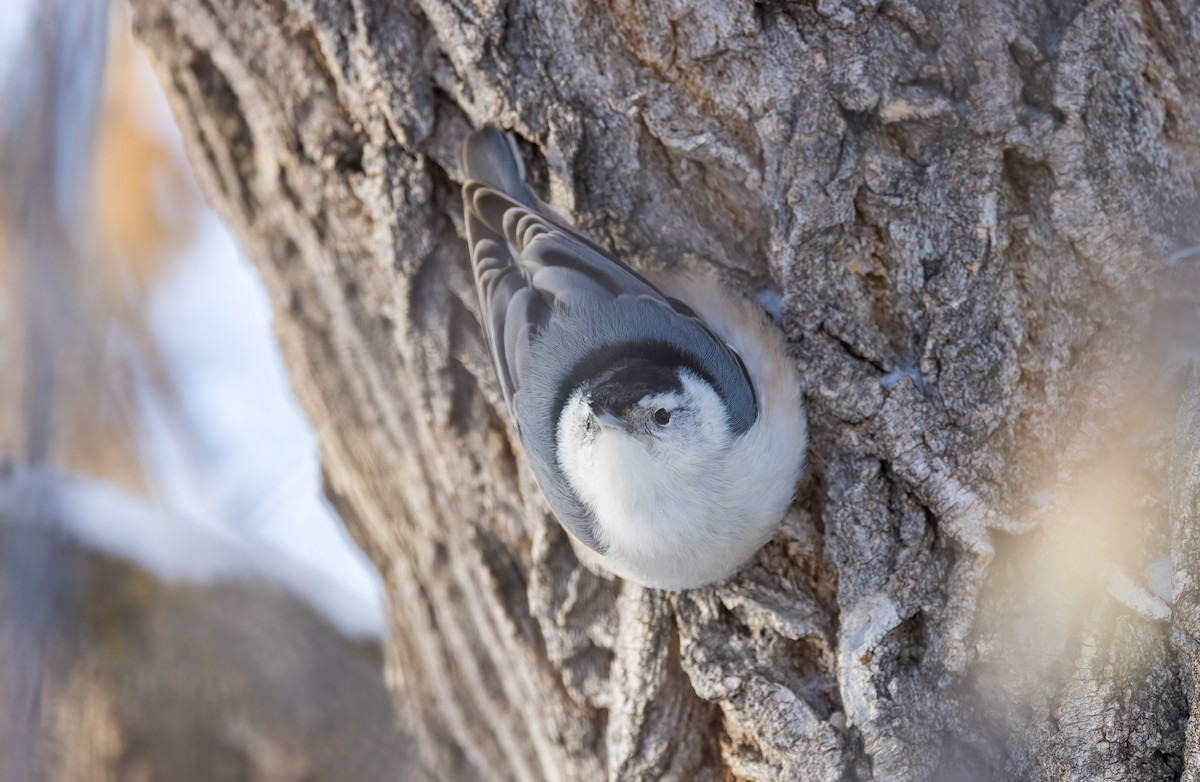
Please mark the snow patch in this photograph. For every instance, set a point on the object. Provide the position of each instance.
(109, 520)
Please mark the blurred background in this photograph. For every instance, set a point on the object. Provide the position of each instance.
(177, 601)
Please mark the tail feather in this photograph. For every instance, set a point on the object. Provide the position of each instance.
(490, 156)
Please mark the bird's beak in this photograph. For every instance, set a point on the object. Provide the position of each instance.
(605, 416)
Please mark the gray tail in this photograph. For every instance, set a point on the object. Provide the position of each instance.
(490, 156)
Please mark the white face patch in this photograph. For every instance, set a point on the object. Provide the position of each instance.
(656, 416)
(697, 419)
(646, 482)
(577, 432)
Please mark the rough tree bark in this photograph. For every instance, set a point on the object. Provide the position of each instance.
(964, 208)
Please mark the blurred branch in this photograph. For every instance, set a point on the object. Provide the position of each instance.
(52, 103)
(74, 350)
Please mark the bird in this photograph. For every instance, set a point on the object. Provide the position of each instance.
(663, 420)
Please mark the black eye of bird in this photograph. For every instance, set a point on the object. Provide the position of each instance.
(662, 417)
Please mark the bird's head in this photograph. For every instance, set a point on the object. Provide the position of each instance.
(643, 407)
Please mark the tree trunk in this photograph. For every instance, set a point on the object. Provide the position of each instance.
(964, 209)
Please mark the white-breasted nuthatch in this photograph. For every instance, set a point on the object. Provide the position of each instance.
(664, 423)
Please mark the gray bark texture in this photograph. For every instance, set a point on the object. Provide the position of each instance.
(972, 215)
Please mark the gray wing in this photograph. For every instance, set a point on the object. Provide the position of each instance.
(540, 282)
(525, 265)
(527, 269)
